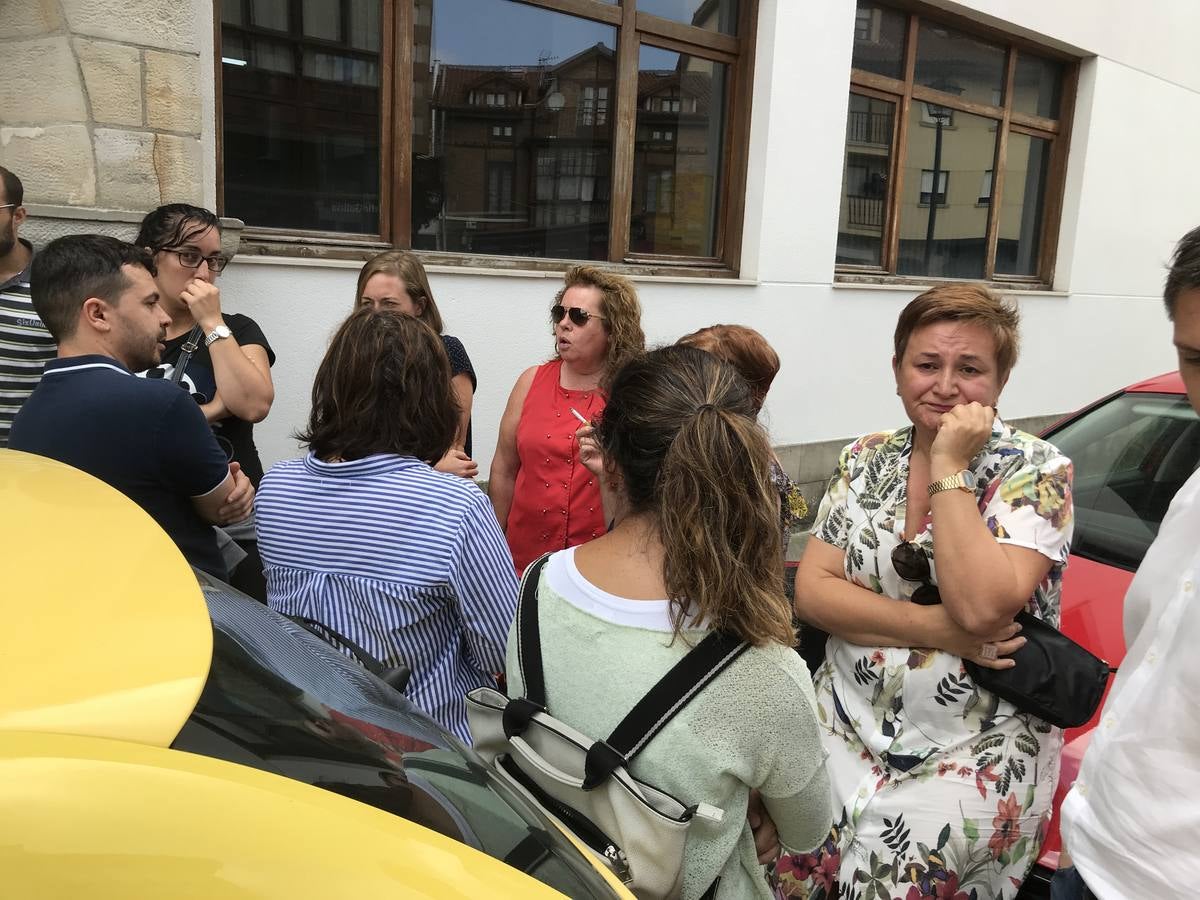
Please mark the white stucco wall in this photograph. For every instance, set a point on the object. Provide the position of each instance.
(1130, 194)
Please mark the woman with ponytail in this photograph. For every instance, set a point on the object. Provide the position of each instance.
(694, 547)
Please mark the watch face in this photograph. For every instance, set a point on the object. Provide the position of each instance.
(222, 331)
(968, 478)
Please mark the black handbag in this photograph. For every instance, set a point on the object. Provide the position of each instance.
(1054, 678)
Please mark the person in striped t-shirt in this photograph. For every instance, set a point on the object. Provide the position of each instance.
(363, 535)
(25, 344)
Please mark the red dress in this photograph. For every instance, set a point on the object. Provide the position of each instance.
(556, 501)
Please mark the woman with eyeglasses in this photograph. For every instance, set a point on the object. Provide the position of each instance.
(396, 280)
(545, 498)
(929, 540)
(228, 370)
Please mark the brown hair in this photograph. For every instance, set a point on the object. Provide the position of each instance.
(383, 387)
(620, 307)
(1184, 274)
(408, 269)
(744, 349)
(680, 427)
(964, 303)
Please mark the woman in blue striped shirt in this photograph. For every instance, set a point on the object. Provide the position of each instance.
(364, 536)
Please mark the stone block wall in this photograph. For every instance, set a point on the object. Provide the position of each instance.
(100, 101)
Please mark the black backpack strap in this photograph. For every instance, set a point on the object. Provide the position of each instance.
(675, 690)
(529, 634)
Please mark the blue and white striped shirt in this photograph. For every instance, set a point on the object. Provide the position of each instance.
(405, 561)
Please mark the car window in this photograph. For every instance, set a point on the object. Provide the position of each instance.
(1130, 455)
(279, 699)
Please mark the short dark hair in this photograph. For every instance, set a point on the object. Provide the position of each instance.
(70, 269)
(173, 225)
(383, 387)
(1184, 274)
(14, 191)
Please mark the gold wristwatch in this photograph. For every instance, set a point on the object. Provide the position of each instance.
(964, 480)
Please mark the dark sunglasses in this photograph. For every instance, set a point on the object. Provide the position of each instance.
(911, 564)
(578, 314)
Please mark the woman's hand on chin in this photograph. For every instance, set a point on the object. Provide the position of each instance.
(961, 435)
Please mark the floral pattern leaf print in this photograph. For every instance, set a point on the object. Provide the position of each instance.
(906, 728)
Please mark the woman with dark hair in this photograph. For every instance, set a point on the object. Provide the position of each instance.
(695, 547)
(222, 359)
(396, 280)
(229, 373)
(929, 540)
(545, 498)
(363, 535)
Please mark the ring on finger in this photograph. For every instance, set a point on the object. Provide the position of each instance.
(987, 651)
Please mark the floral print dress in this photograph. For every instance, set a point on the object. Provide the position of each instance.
(941, 789)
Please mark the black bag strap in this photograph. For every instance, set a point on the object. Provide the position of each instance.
(190, 346)
(674, 691)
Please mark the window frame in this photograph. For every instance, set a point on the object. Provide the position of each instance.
(634, 28)
(905, 91)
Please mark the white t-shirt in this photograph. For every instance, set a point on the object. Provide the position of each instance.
(1132, 821)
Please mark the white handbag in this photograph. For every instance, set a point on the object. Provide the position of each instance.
(634, 828)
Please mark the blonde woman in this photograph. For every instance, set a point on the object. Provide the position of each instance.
(396, 280)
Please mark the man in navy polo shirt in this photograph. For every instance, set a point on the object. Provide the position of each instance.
(148, 439)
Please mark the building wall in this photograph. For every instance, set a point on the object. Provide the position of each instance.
(1130, 194)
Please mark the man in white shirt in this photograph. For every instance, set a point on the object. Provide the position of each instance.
(1131, 823)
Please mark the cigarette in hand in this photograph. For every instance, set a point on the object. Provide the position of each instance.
(577, 414)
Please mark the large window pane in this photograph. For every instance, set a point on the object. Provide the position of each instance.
(958, 64)
(302, 116)
(943, 227)
(713, 15)
(678, 156)
(879, 39)
(869, 128)
(1037, 85)
(1023, 204)
(513, 113)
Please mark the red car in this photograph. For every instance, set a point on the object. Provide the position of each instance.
(1132, 451)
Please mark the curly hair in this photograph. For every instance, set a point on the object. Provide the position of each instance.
(620, 307)
(383, 387)
(680, 427)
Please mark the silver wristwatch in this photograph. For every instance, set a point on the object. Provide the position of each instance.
(221, 331)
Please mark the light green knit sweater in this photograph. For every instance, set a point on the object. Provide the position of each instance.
(753, 726)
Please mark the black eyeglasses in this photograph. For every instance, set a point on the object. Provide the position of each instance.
(911, 564)
(578, 314)
(191, 259)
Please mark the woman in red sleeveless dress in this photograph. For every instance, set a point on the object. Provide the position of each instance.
(545, 498)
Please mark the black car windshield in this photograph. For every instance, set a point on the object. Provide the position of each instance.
(1131, 454)
(279, 699)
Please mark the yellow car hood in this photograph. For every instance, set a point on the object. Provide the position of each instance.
(103, 628)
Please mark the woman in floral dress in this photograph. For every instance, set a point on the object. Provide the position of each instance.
(928, 541)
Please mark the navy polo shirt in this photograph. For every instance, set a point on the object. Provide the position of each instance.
(148, 439)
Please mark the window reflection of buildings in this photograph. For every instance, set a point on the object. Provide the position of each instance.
(523, 155)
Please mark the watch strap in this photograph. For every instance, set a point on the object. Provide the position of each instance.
(949, 483)
(221, 331)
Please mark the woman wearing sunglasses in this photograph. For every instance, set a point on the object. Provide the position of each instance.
(396, 280)
(545, 499)
(229, 370)
(929, 540)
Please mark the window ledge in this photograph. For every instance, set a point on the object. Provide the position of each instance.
(908, 284)
(343, 254)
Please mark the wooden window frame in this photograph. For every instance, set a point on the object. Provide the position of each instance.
(905, 91)
(634, 28)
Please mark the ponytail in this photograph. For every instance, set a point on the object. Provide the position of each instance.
(719, 525)
(680, 427)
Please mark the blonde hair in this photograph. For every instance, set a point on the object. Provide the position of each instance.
(680, 426)
(620, 307)
(406, 267)
(964, 303)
